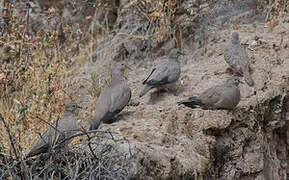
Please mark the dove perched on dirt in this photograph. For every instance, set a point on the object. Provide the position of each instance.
(236, 56)
(113, 98)
(163, 74)
(65, 127)
(225, 96)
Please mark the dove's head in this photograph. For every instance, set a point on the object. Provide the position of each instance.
(175, 53)
(71, 107)
(234, 80)
(235, 37)
(121, 67)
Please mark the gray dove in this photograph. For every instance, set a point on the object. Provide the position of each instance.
(236, 56)
(164, 74)
(225, 96)
(113, 98)
(65, 127)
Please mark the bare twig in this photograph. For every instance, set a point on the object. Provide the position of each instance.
(89, 144)
(52, 126)
(10, 137)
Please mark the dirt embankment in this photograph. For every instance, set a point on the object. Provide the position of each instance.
(172, 141)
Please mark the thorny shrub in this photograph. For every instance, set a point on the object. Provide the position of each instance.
(102, 156)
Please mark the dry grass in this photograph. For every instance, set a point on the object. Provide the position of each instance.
(160, 14)
(277, 8)
(32, 79)
(35, 82)
(34, 73)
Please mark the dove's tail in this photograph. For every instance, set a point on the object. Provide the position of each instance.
(145, 90)
(192, 102)
(38, 150)
(95, 125)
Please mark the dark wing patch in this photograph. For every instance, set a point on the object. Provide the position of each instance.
(163, 81)
(145, 81)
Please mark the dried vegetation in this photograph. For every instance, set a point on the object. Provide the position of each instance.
(36, 60)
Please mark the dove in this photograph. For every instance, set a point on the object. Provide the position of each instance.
(113, 98)
(164, 74)
(236, 56)
(224, 96)
(65, 127)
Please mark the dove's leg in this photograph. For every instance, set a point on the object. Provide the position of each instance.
(169, 88)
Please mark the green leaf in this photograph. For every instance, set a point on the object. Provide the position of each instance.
(47, 38)
(93, 76)
(23, 109)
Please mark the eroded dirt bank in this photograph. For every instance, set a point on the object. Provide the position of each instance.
(172, 141)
